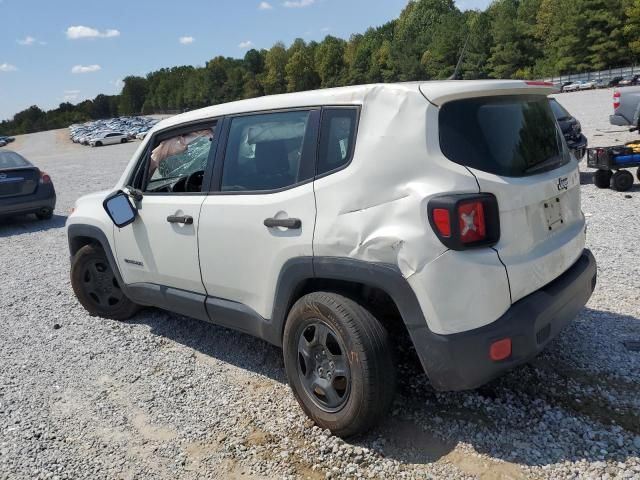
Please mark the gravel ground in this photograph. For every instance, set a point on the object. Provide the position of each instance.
(163, 396)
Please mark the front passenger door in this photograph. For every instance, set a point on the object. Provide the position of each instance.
(161, 246)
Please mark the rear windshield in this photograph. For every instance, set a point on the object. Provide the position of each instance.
(512, 136)
(12, 160)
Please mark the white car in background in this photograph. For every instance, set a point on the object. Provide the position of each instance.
(573, 87)
(588, 85)
(108, 138)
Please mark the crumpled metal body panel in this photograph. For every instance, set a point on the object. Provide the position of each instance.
(376, 210)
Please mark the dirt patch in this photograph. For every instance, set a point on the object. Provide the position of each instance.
(484, 468)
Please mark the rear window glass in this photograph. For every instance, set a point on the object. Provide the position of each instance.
(12, 160)
(337, 135)
(512, 136)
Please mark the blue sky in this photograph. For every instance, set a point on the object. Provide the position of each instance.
(71, 50)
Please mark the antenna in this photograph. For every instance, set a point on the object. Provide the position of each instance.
(456, 72)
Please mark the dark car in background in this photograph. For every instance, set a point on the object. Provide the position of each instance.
(615, 81)
(571, 129)
(24, 188)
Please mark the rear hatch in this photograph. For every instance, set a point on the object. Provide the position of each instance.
(17, 175)
(506, 135)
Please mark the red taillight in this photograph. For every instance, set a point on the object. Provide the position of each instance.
(442, 221)
(471, 219)
(500, 350)
(45, 178)
(463, 221)
(616, 100)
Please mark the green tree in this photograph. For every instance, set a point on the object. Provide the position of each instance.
(275, 70)
(329, 61)
(133, 95)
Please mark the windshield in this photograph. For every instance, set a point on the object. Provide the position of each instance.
(513, 135)
(12, 160)
(192, 158)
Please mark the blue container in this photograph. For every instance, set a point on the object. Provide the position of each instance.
(627, 158)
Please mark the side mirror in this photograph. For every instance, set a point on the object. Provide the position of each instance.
(120, 209)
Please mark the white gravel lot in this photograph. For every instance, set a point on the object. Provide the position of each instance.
(163, 396)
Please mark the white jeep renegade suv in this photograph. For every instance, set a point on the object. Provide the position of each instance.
(294, 217)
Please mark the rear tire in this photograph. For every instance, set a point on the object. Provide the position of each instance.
(124, 140)
(96, 286)
(622, 181)
(45, 215)
(602, 178)
(638, 174)
(338, 361)
(98, 144)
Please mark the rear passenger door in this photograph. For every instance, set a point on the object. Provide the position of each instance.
(261, 212)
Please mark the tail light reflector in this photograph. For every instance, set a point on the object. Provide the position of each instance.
(500, 350)
(616, 100)
(465, 221)
(44, 177)
(442, 221)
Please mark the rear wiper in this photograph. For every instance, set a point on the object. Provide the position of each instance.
(555, 159)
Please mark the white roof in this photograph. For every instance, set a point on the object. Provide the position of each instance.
(437, 92)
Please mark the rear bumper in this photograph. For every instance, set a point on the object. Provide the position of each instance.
(44, 198)
(461, 361)
(619, 120)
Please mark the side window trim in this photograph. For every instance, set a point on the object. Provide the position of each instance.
(307, 159)
(172, 132)
(352, 147)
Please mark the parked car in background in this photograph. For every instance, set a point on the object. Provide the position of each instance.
(572, 87)
(282, 217)
(24, 188)
(562, 86)
(108, 138)
(2, 143)
(6, 140)
(629, 81)
(602, 83)
(571, 129)
(626, 107)
(130, 126)
(615, 81)
(588, 85)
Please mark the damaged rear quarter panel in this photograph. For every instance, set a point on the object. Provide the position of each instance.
(376, 209)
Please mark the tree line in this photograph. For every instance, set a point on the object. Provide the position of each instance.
(509, 39)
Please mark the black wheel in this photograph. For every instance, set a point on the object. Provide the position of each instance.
(98, 144)
(96, 286)
(124, 140)
(638, 174)
(45, 214)
(622, 181)
(602, 178)
(338, 362)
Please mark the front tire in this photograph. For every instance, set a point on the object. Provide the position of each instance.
(602, 178)
(338, 362)
(96, 286)
(124, 140)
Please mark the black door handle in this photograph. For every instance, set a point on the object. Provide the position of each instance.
(293, 223)
(186, 219)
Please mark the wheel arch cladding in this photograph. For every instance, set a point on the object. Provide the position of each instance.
(80, 235)
(299, 273)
